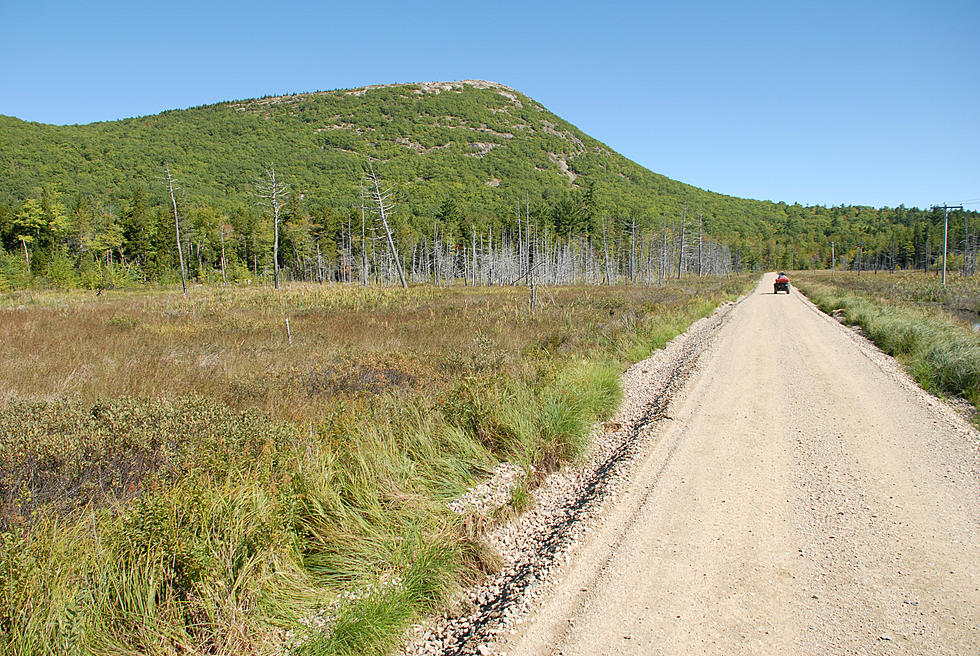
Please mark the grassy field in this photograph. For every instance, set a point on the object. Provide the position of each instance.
(187, 475)
(930, 328)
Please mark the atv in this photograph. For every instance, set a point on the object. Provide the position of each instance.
(781, 284)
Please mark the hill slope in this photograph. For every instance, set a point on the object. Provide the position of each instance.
(484, 143)
(482, 147)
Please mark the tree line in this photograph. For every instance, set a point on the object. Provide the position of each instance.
(161, 237)
(166, 240)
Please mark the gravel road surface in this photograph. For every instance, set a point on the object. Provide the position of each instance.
(802, 497)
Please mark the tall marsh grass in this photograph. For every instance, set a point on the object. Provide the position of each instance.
(177, 479)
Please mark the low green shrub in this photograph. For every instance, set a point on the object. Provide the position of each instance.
(951, 364)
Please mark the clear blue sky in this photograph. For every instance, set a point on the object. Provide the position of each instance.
(856, 102)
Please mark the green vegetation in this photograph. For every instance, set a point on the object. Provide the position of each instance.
(929, 328)
(85, 203)
(176, 477)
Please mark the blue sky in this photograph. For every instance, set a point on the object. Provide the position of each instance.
(860, 102)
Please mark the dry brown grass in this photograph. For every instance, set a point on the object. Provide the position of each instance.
(232, 345)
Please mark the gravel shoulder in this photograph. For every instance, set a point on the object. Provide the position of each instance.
(775, 485)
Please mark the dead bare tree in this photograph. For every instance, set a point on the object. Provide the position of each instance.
(364, 262)
(473, 249)
(680, 258)
(224, 277)
(606, 279)
(632, 255)
(276, 193)
(700, 244)
(319, 262)
(382, 201)
(180, 250)
(527, 233)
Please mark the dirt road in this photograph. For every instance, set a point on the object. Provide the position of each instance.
(804, 498)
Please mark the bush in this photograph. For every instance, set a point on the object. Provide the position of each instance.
(14, 272)
(60, 272)
(96, 274)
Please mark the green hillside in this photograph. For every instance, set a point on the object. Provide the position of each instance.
(466, 155)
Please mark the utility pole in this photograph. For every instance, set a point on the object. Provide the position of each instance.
(946, 209)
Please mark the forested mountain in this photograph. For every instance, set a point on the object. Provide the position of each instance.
(464, 160)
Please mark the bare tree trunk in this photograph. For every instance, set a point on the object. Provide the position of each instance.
(520, 244)
(527, 234)
(382, 198)
(700, 245)
(489, 254)
(964, 270)
(632, 261)
(435, 254)
(680, 258)
(347, 271)
(224, 278)
(364, 264)
(180, 250)
(663, 260)
(605, 248)
(276, 192)
(319, 264)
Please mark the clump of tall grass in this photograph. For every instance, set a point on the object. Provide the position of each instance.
(223, 564)
(952, 364)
